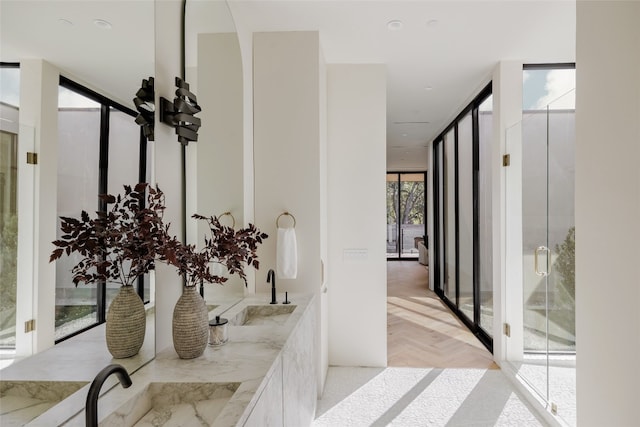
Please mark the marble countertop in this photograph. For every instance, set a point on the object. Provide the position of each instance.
(247, 359)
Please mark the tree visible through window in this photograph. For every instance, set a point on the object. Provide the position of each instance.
(405, 213)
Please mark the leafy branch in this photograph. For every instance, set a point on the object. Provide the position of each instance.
(224, 245)
(118, 245)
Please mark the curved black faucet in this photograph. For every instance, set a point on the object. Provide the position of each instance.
(271, 278)
(91, 407)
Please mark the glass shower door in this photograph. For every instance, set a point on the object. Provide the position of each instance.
(535, 251)
(561, 331)
(541, 232)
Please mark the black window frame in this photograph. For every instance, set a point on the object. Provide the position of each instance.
(106, 104)
(472, 324)
(398, 231)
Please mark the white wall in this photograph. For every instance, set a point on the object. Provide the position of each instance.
(356, 99)
(219, 159)
(507, 269)
(323, 313)
(607, 212)
(37, 221)
(286, 133)
(245, 40)
(287, 144)
(167, 161)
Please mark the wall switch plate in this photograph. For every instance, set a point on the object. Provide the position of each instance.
(355, 254)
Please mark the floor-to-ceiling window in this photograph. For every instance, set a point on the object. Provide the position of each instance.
(406, 213)
(462, 198)
(100, 149)
(484, 224)
(449, 212)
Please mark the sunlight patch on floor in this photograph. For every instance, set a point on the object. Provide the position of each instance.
(420, 397)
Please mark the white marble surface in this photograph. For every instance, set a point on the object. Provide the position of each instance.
(77, 359)
(263, 315)
(299, 376)
(268, 409)
(173, 404)
(249, 360)
(22, 401)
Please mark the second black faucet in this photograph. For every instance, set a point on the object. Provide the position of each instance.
(271, 278)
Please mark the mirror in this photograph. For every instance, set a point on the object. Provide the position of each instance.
(216, 184)
(103, 49)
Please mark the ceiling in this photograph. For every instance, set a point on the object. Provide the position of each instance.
(440, 58)
(113, 61)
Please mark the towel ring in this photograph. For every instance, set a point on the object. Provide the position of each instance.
(233, 224)
(288, 214)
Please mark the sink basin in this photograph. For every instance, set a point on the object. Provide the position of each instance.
(252, 315)
(22, 401)
(173, 404)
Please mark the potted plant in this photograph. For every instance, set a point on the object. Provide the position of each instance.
(234, 249)
(118, 246)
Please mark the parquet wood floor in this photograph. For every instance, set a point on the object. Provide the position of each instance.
(421, 330)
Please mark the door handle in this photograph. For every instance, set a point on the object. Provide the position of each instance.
(536, 263)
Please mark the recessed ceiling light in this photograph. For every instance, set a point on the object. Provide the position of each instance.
(394, 25)
(432, 23)
(101, 23)
(64, 21)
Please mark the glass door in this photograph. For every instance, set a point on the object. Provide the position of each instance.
(542, 171)
(406, 226)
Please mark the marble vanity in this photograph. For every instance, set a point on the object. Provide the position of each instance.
(264, 375)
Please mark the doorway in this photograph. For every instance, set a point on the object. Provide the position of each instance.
(540, 239)
(406, 213)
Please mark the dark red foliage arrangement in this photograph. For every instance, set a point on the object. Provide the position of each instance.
(123, 243)
(118, 245)
(231, 248)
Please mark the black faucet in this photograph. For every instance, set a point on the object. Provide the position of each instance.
(271, 278)
(91, 407)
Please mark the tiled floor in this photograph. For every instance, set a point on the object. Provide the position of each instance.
(439, 374)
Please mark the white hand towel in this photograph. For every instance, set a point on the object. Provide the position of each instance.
(287, 254)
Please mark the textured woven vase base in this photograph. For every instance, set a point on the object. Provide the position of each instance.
(126, 324)
(190, 324)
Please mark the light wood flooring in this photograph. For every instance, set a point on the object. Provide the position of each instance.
(421, 330)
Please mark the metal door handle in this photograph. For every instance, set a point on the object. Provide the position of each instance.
(535, 259)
